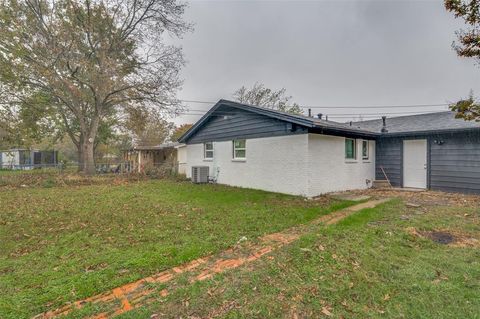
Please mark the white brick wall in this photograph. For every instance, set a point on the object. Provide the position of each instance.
(306, 164)
(277, 164)
(329, 171)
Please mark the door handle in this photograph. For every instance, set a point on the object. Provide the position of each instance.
(424, 166)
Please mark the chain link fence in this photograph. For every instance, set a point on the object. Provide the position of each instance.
(100, 168)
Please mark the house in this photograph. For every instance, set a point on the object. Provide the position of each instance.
(249, 146)
(433, 151)
(143, 158)
(26, 159)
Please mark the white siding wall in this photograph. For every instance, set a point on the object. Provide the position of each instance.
(306, 164)
(330, 171)
(10, 158)
(182, 159)
(277, 164)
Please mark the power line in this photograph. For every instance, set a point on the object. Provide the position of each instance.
(342, 106)
(333, 114)
(355, 117)
(196, 112)
(200, 102)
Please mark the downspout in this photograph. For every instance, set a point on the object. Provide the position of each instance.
(215, 168)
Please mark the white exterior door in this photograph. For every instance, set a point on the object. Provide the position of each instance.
(415, 163)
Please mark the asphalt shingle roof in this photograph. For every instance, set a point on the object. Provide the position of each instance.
(408, 125)
(314, 121)
(439, 121)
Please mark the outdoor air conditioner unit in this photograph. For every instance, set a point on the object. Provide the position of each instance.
(200, 174)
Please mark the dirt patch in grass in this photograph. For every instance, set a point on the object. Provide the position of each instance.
(441, 237)
(451, 238)
(426, 198)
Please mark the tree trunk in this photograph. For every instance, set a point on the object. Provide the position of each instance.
(88, 165)
(80, 154)
(80, 158)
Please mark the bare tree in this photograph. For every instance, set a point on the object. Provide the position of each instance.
(262, 96)
(78, 64)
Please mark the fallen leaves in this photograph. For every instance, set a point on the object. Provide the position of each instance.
(439, 277)
(327, 311)
(95, 267)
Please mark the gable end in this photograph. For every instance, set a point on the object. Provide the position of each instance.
(227, 123)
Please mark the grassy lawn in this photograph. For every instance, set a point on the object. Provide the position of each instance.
(61, 244)
(6, 172)
(367, 266)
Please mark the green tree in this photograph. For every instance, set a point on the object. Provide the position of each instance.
(179, 131)
(147, 127)
(260, 95)
(76, 65)
(467, 46)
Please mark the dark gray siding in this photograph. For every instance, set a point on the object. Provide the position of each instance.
(228, 123)
(455, 164)
(388, 154)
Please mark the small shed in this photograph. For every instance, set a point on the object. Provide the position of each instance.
(143, 158)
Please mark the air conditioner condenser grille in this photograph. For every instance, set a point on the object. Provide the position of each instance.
(200, 174)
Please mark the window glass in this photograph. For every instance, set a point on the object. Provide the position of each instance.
(350, 146)
(365, 150)
(239, 143)
(208, 150)
(239, 149)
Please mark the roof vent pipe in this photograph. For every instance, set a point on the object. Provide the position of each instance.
(384, 127)
(320, 115)
(309, 112)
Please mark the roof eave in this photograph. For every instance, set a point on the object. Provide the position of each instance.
(430, 132)
(345, 132)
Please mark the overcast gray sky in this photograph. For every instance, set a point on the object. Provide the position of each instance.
(327, 53)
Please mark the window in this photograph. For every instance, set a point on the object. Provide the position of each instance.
(239, 149)
(350, 148)
(208, 150)
(365, 150)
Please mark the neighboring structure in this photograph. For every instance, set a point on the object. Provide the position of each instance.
(181, 159)
(26, 159)
(260, 148)
(143, 158)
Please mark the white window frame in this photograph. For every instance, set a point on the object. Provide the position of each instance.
(366, 157)
(234, 149)
(354, 158)
(205, 150)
